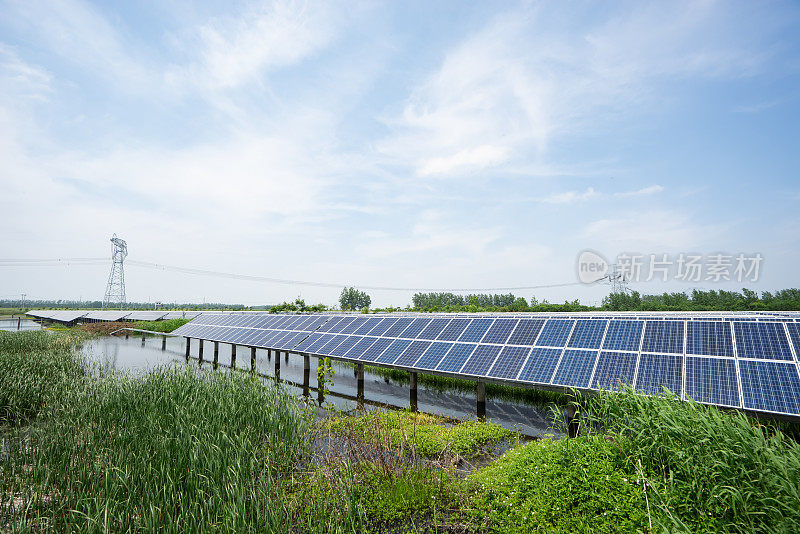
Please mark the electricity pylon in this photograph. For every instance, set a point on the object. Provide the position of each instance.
(115, 289)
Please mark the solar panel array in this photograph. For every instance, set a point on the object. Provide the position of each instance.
(67, 316)
(743, 361)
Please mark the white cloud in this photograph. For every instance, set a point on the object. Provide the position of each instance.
(570, 197)
(534, 74)
(233, 51)
(645, 191)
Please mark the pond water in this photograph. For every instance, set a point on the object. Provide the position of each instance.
(12, 324)
(118, 353)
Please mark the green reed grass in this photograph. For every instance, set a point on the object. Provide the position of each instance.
(712, 470)
(177, 450)
(35, 369)
(161, 326)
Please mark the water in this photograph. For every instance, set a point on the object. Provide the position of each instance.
(10, 324)
(117, 353)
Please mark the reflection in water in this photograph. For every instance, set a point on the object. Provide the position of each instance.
(340, 389)
(12, 324)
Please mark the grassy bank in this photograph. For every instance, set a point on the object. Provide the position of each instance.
(179, 449)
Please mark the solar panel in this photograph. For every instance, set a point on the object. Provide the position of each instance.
(658, 371)
(376, 349)
(754, 368)
(555, 333)
(663, 337)
(433, 355)
(587, 334)
(360, 347)
(712, 381)
(614, 370)
(526, 332)
(393, 351)
(453, 330)
(770, 386)
(509, 362)
(481, 359)
(416, 326)
(434, 328)
(476, 330)
(762, 340)
(540, 365)
(500, 331)
(456, 358)
(711, 338)
(412, 353)
(345, 346)
(575, 368)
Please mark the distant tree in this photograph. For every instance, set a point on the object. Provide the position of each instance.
(353, 299)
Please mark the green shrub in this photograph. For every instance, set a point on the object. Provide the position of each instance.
(576, 485)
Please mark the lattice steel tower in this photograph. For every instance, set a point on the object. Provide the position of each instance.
(115, 290)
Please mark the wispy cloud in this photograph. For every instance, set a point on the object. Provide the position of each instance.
(570, 197)
(645, 191)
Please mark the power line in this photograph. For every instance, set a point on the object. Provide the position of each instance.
(268, 279)
(253, 278)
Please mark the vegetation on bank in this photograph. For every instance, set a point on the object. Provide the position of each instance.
(161, 326)
(181, 449)
(785, 299)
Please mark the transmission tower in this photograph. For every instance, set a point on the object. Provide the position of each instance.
(115, 290)
(618, 279)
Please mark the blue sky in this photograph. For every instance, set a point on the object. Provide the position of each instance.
(411, 144)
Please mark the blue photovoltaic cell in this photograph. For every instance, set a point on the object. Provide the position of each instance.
(412, 353)
(359, 348)
(290, 325)
(398, 327)
(711, 338)
(712, 380)
(433, 355)
(475, 330)
(346, 345)
(623, 335)
(375, 350)
(393, 351)
(367, 325)
(587, 334)
(575, 369)
(794, 333)
(615, 370)
(453, 330)
(509, 362)
(770, 386)
(318, 343)
(312, 338)
(414, 328)
(657, 371)
(455, 359)
(765, 341)
(481, 359)
(555, 333)
(433, 329)
(291, 342)
(663, 336)
(500, 331)
(381, 328)
(341, 325)
(330, 345)
(315, 323)
(526, 331)
(354, 324)
(329, 324)
(540, 365)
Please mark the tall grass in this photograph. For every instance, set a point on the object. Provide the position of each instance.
(176, 449)
(161, 326)
(35, 369)
(709, 470)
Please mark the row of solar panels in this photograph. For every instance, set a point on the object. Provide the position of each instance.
(68, 316)
(749, 364)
